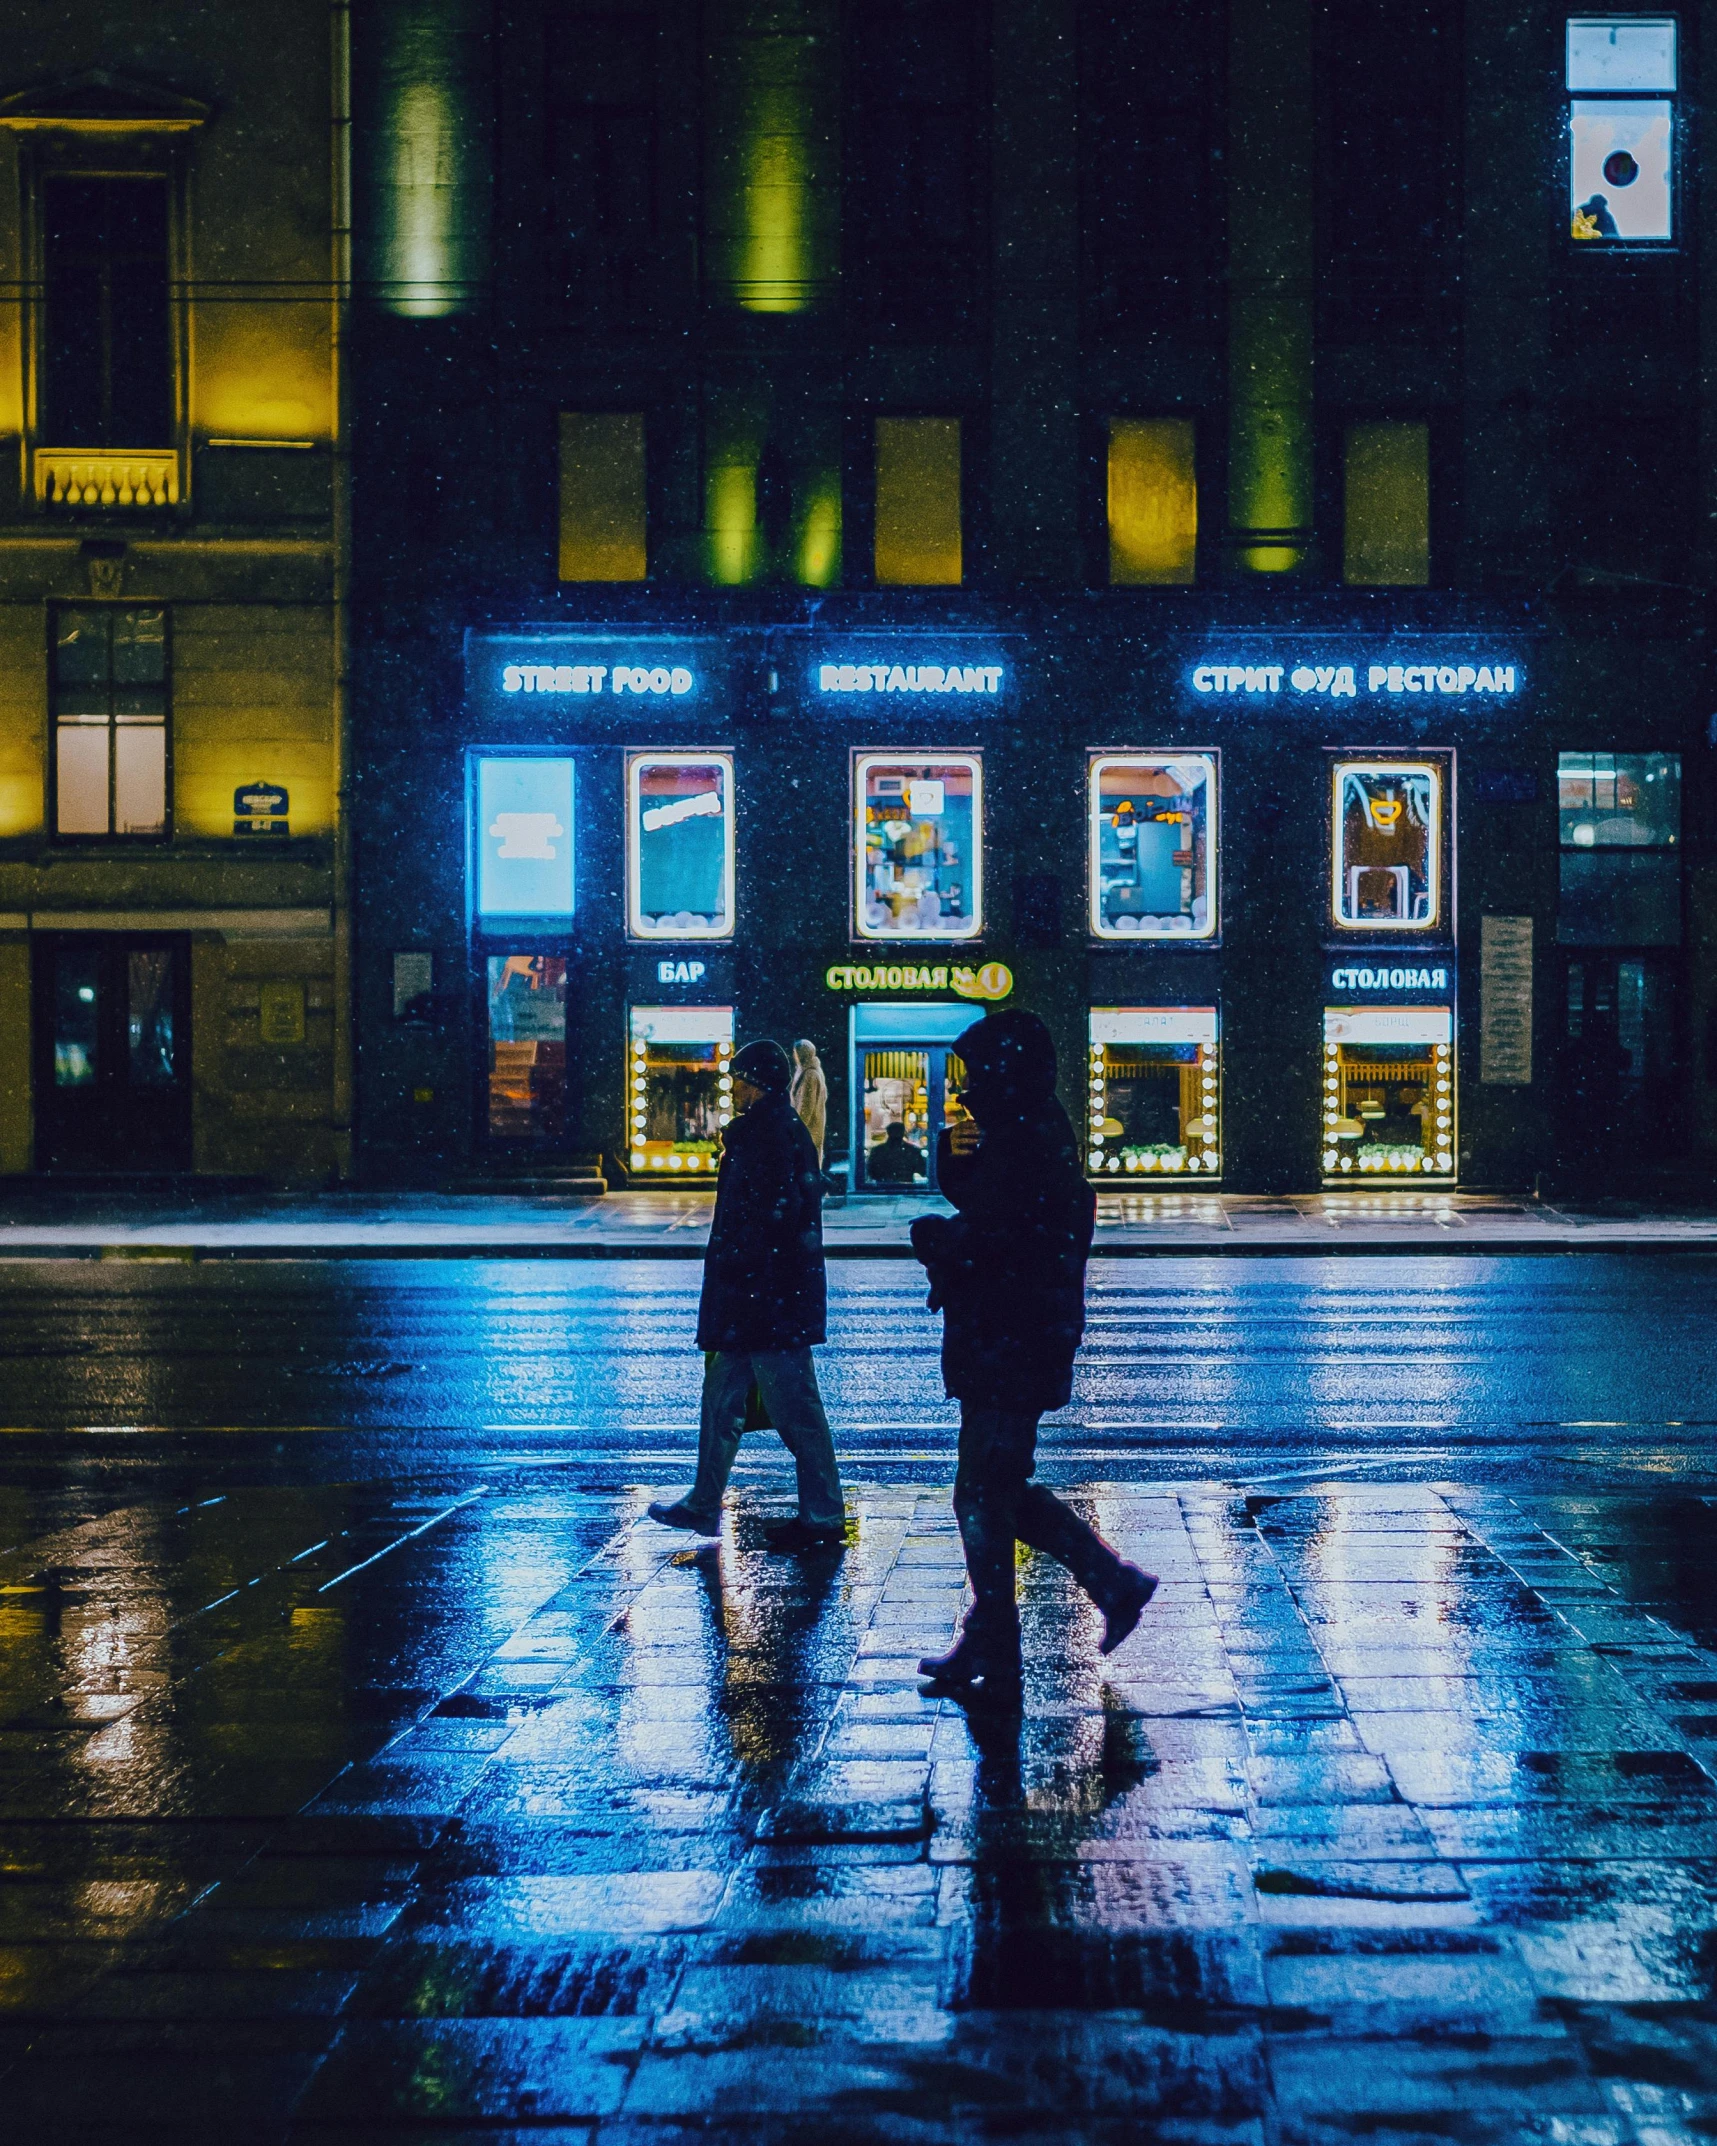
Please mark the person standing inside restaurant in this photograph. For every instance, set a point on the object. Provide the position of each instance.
(764, 1308)
(1007, 1270)
(809, 1093)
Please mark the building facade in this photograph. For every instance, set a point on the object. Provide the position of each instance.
(1192, 520)
(173, 921)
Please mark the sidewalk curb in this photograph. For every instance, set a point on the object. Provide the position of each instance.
(1443, 1244)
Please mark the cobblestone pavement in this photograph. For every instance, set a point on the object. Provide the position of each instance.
(489, 1811)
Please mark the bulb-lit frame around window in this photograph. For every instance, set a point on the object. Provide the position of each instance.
(636, 925)
(972, 926)
(1431, 925)
(1097, 763)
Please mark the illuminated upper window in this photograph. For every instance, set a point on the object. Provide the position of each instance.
(1618, 800)
(1621, 144)
(110, 773)
(1386, 852)
(524, 837)
(679, 845)
(917, 845)
(1152, 858)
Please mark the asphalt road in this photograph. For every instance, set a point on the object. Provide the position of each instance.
(1191, 1367)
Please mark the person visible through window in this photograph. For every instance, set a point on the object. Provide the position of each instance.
(894, 1160)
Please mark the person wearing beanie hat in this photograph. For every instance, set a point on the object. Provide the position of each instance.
(1007, 1271)
(764, 1308)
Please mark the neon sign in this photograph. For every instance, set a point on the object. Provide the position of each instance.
(1340, 681)
(647, 679)
(993, 980)
(1389, 980)
(909, 678)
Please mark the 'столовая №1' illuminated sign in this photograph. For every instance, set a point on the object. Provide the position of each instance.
(1341, 681)
(647, 678)
(908, 677)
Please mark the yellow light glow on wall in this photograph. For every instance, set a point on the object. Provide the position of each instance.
(772, 182)
(730, 522)
(819, 552)
(918, 521)
(1153, 500)
(428, 246)
(1387, 503)
(603, 533)
(262, 371)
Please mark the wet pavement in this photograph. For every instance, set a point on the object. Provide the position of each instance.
(373, 1769)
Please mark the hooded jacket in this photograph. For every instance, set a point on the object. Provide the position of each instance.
(763, 1280)
(1008, 1268)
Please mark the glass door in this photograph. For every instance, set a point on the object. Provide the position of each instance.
(113, 1087)
(909, 1094)
(525, 1084)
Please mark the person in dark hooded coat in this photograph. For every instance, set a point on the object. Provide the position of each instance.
(1007, 1270)
(764, 1308)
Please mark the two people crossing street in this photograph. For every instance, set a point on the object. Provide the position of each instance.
(1007, 1271)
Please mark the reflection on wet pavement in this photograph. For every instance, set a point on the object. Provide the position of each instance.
(330, 1812)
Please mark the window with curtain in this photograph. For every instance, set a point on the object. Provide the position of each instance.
(109, 693)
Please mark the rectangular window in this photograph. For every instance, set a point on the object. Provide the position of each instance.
(918, 845)
(679, 1087)
(107, 353)
(1387, 847)
(602, 514)
(679, 845)
(1387, 505)
(1153, 500)
(1619, 824)
(1155, 1099)
(527, 1048)
(1621, 144)
(110, 721)
(1152, 855)
(524, 838)
(918, 532)
(1389, 1090)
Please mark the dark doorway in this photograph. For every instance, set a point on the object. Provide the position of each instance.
(113, 1053)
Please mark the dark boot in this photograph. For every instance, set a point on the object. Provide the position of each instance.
(987, 1649)
(1119, 1590)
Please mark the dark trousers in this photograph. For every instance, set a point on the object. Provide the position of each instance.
(997, 1504)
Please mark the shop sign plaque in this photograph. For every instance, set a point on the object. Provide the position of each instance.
(1341, 681)
(991, 980)
(1505, 1002)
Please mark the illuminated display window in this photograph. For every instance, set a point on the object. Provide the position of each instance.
(527, 1048)
(679, 845)
(1389, 1091)
(679, 1089)
(110, 769)
(1155, 1092)
(918, 845)
(1152, 861)
(1387, 845)
(524, 837)
(1619, 825)
(1621, 144)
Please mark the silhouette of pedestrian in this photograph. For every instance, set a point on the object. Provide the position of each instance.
(809, 1093)
(763, 1309)
(1008, 1272)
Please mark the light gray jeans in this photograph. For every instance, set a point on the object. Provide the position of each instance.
(787, 1380)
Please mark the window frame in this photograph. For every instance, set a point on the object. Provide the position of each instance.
(1158, 758)
(164, 834)
(1671, 98)
(494, 925)
(637, 760)
(142, 150)
(864, 759)
(1440, 767)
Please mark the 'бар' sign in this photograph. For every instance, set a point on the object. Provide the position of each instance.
(1340, 681)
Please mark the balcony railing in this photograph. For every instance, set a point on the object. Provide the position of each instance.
(106, 477)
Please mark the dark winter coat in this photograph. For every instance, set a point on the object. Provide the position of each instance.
(763, 1281)
(1008, 1268)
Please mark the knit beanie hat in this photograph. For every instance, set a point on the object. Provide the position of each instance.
(765, 1064)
